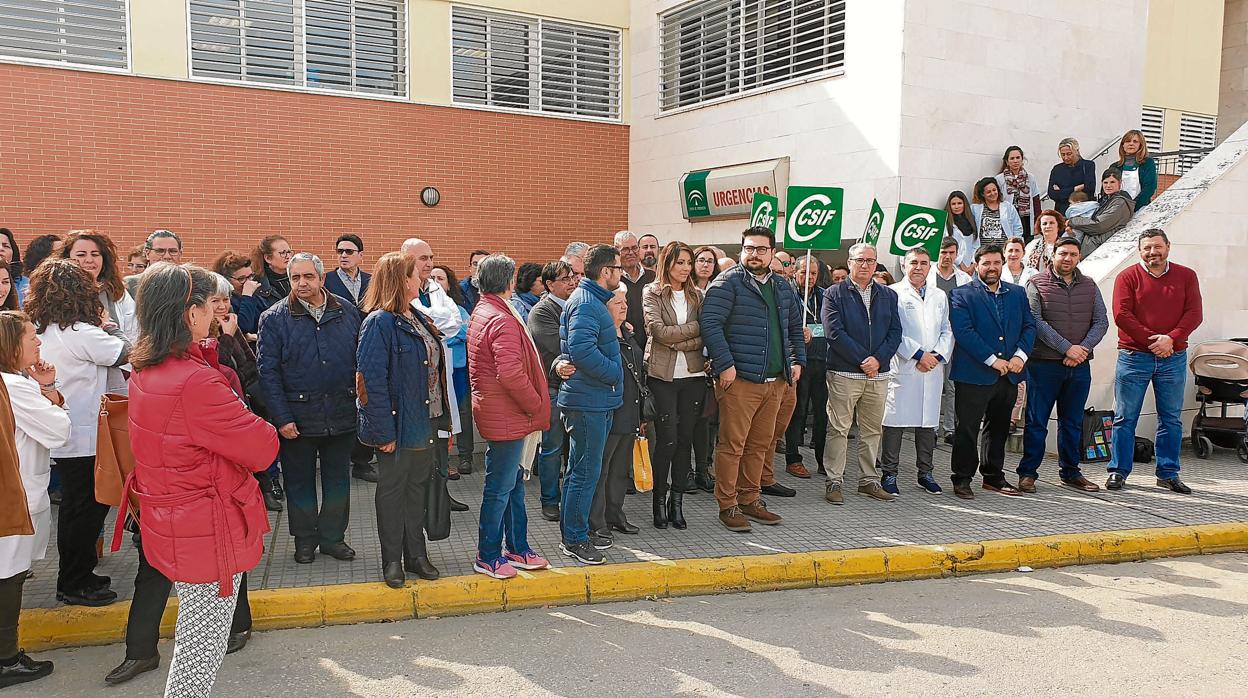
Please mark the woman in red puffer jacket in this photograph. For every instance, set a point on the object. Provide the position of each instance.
(195, 446)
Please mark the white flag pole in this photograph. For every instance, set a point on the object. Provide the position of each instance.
(806, 296)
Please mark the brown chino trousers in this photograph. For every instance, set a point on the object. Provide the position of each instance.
(788, 404)
(747, 431)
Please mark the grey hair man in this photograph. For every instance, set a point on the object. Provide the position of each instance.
(161, 246)
(306, 361)
(635, 279)
(576, 249)
(437, 305)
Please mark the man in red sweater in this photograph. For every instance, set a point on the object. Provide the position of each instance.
(1157, 307)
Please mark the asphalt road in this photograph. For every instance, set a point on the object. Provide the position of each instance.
(1163, 628)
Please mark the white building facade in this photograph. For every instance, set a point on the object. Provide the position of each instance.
(898, 100)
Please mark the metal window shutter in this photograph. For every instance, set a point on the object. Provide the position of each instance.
(491, 59)
(1197, 131)
(84, 32)
(356, 45)
(580, 70)
(721, 47)
(504, 60)
(1152, 125)
(250, 40)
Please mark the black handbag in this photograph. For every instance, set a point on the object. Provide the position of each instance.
(649, 412)
(437, 507)
(1144, 450)
(1096, 444)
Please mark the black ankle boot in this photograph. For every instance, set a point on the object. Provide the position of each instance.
(660, 516)
(675, 510)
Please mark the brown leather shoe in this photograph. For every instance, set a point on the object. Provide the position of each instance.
(1004, 488)
(833, 493)
(1027, 484)
(733, 520)
(758, 512)
(963, 491)
(797, 470)
(1082, 484)
(874, 491)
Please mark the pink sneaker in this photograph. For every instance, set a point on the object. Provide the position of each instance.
(498, 568)
(528, 560)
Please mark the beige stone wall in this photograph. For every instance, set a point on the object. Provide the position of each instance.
(1233, 87)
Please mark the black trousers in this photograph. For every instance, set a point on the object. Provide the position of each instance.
(617, 474)
(465, 444)
(986, 408)
(361, 454)
(812, 400)
(679, 404)
(151, 595)
(78, 522)
(402, 488)
(10, 610)
(310, 524)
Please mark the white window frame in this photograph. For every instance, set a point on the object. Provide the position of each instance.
(74, 65)
(834, 72)
(301, 61)
(535, 97)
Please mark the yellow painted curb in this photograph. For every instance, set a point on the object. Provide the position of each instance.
(358, 603)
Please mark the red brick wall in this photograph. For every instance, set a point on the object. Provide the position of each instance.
(224, 166)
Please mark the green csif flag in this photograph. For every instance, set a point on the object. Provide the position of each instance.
(875, 223)
(764, 211)
(917, 226)
(813, 219)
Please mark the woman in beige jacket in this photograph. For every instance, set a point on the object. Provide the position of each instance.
(677, 373)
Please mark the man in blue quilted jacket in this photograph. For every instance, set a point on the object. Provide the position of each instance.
(590, 396)
(307, 370)
(752, 329)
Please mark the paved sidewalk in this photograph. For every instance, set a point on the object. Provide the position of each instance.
(810, 523)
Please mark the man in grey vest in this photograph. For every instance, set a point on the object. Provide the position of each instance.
(1070, 321)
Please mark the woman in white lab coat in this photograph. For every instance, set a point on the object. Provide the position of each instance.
(918, 379)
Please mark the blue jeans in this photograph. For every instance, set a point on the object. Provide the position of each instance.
(502, 502)
(1136, 370)
(550, 456)
(1050, 383)
(587, 435)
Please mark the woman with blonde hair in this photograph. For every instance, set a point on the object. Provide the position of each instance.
(38, 422)
(1139, 171)
(401, 370)
(1072, 174)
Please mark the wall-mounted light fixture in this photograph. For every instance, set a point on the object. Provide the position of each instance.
(430, 196)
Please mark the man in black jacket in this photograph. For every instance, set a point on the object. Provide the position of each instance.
(560, 280)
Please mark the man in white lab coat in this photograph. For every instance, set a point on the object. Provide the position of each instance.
(914, 391)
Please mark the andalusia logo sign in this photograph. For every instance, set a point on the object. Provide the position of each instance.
(813, 220)
(917, 226)
(765, 212)
(695, 195)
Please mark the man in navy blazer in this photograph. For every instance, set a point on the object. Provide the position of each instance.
(994, 332)
(348, 280)
(863, 331)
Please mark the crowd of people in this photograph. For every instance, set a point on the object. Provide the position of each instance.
(254, 381)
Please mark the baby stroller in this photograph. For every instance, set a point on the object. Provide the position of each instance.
(1221, 370)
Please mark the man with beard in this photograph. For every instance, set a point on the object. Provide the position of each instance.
(1157, 306)
(752, 329)
(994, 332)
(1070, 321)
(649, 252)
